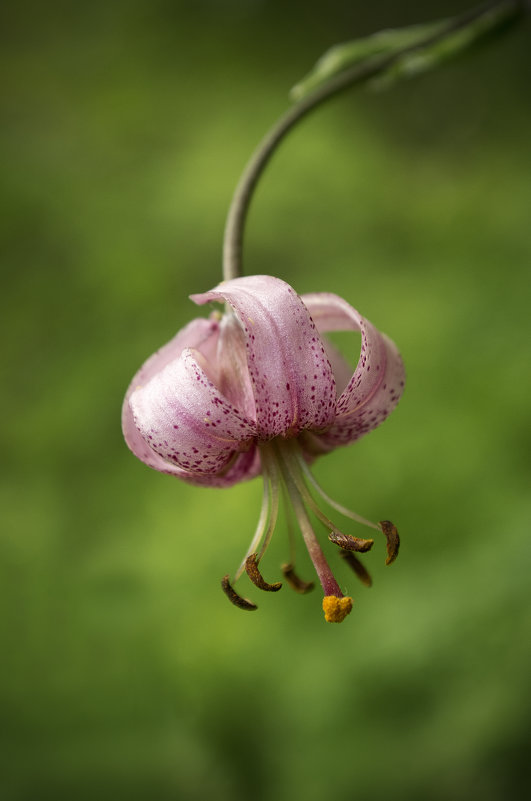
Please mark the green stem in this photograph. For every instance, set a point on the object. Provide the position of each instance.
(359, 73)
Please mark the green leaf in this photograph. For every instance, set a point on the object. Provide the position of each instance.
(423, 59)
(346, 55)
(404, 52)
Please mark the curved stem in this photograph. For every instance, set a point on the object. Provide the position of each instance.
(359, 73)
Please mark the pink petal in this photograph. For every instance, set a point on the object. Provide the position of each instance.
(201, 334)
(244, 467)
(204, 335)
(341, 369)
(378, 381)
(186, 420)
(232, 374)
(292, 380)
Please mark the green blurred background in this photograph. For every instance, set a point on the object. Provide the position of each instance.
(124, 671)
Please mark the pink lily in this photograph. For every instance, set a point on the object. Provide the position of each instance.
(258, 389)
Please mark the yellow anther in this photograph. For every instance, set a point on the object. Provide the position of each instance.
(336, 609)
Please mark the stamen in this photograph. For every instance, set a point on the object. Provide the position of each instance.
(272, 469)
(288, 569)
(358, 567)
(349, 543)
(260, 526)
(293, 467)
(393, 540)
(322, 568)
(251, 566)
(288, 512)
(234, 598)
(330, 501)
(336, 609)
(295, 582)
(269, 508)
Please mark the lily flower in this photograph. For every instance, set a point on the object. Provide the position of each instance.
(258, 389)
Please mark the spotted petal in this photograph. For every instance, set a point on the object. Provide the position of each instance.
(199, 333)
(186, 420)
(292, 380)
(378, 380)
(202, 335)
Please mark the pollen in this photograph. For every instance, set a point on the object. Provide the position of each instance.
(336, 609)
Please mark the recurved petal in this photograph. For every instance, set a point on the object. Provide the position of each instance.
(184, 418)
(341, 369)
(199, 333)
(292, 381)
(243, 466)
(378, 381)
(232, 373)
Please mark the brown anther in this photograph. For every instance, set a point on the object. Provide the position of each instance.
(251, 566)
(234, 598)
(393, 540)
(358, 567)
(295, 582)
(349, 543)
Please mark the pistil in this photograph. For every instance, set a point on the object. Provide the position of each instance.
(322, 568)
(335, 605)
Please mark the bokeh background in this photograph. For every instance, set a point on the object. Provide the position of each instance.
(124, 671)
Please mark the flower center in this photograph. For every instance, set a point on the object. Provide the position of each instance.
(284, 469)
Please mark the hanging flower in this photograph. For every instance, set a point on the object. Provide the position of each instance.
(259, 390)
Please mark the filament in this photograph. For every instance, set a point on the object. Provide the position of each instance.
(330, 501)
(262, 521)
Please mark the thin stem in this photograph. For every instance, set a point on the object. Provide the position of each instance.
(234, 228)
